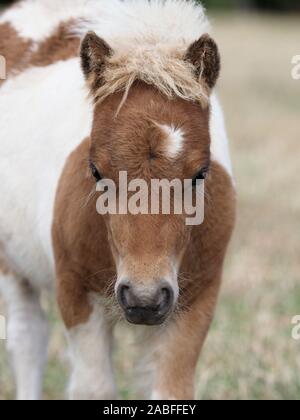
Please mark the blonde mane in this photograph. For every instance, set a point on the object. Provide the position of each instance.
(169, 73)
(150, 40)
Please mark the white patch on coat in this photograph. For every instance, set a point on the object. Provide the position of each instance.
(219, 141)
(37, 19)
(44, 115)
(27, 335)
(174, 140)
(90, 350)
(171, 22)
(152, 36)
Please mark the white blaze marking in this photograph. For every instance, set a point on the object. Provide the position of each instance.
(175, 140)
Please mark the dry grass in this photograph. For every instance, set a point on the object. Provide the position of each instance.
(249, 353)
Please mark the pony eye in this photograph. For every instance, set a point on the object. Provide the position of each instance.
(201, 175)
(95, 172)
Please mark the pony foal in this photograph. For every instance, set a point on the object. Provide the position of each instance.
(150, 70)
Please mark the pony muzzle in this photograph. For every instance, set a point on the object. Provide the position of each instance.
(144, 305)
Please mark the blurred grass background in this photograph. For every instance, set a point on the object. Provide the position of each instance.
(249, 353)
(273, 5)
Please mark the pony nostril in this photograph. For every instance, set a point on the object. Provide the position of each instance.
(166, 297)
(123, 295)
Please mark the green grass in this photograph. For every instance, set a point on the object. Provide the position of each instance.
(249, 353)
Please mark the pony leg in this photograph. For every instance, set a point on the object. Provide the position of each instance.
(90, 347)
(90, 339)
(181, 343)
(27, 335)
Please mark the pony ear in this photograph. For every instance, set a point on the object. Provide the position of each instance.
(205, 57)
(94, 53)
